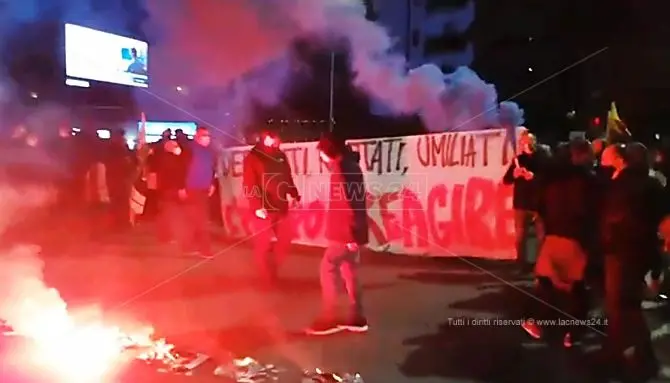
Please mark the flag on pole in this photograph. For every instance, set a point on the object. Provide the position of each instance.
(137, 199)
(616, 129)
(142, 134)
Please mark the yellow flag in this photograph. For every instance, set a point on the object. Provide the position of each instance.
(613, 114)
(616, 129)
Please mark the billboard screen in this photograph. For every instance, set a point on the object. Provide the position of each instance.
(154, 129)
(92, 55)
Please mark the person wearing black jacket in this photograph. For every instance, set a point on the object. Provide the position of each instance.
(119, 164)
(638, 160)
(567, 195)
(346, 232)
(632, 210)
(157, 150)
(170, 178)
(269, 189)
(521, 173)
(63, 150)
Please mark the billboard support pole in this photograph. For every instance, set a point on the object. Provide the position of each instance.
(331, 117)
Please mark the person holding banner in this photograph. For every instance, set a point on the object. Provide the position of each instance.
(522, 174)
(269, 188)
(346, 232)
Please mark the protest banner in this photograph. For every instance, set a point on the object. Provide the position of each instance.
(435, 195)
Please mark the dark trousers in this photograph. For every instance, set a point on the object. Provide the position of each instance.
(119, 204)
(560, 274)
(523, 221)
(151, 205)
(196, 228)
(626, 326)
(340, 265)
(171, 217)
(551, 303)
(276, 225)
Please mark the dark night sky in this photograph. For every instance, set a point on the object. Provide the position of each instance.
(634, 71)
(631, 71)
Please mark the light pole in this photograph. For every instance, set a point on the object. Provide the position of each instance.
(331, 116)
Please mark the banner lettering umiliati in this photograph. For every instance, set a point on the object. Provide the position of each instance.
(433, 195)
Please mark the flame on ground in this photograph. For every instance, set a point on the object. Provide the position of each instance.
(76, 351)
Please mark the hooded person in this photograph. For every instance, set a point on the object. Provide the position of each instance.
(270, 190)
(346, 232)
(170, 178)
(633, 207)
(154, 162)
(640, 159)
(181, 138)
(569, 219)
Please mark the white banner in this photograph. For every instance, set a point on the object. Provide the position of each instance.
(433, 195)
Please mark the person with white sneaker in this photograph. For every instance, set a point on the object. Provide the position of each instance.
(346, 231)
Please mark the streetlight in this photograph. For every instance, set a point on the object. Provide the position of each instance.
(331, 116)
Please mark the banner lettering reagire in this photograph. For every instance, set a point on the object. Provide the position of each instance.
(434, 195)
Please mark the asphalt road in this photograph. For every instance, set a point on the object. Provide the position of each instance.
(412, 305)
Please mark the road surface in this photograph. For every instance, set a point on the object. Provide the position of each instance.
(412, 305)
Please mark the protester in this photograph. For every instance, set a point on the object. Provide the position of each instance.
(569, 218)
(182, 139)
(562, 152)
(166, 135)
(632, 210)
(199, 186)
(521, 173)
(26, 160)
(657, 169)
(63, 149)
(640, 159)
(598, 145)
(157, 152)
(170, 178)
(268, 186)
(119, 165)
(346, 232)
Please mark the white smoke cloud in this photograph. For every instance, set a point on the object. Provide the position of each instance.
(23, 293)
(209, 43)
(244, 48)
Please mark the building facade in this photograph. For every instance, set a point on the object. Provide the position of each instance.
(428, 31)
